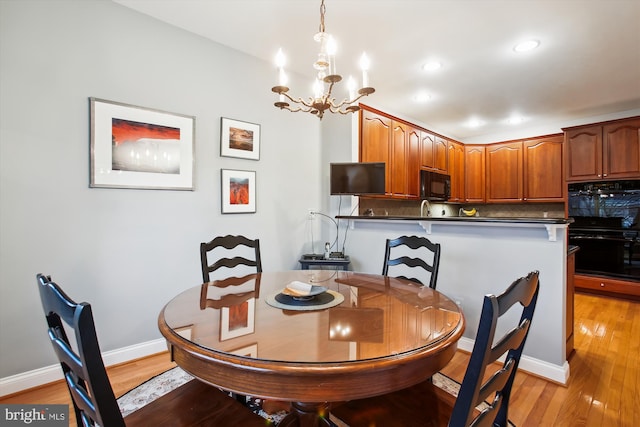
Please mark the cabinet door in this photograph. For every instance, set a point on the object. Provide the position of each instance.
(543, 169)
(474, 163)
(398, 159)
(456, 171)
(504, 172)
(426, 149)
(413, 162)
(583, 153)
(375, 134)
(440, 148)
(621, 151)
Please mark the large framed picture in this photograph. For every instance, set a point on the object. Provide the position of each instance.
(237, 320)
(238, 191)
(136, 147)
(239, 139)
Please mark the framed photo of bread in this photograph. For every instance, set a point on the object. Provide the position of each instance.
(238, 191)
(239, 139)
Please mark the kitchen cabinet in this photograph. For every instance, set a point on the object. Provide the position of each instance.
(543, 165)
(456, 170)
(474, 177)
(398, 159)
(440, 149)
(413, 162)
(397, 144)
(504, 179)
(525, 171)
(570, 300)
(375, 136)
(603, 151)
(426, 149)
(607, 286)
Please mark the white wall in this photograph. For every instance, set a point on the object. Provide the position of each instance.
(128, 251)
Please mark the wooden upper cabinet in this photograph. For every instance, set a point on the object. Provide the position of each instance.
(456, 170)
(375, 136)
(543, 179)
(427, 141)
(474, 177)
(440, 149)
(413, 162)
(603, 151)
(504, 178)
(398, 159)
(583, 153)
(621, 150)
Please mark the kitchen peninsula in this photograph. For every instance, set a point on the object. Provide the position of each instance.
(481, 256)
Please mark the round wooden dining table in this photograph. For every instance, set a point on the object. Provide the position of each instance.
(362, 335)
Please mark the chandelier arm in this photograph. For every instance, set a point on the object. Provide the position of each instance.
(295, 110)
(299, 101)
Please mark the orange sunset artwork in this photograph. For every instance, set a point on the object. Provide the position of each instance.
(144, 147)
(239, 191)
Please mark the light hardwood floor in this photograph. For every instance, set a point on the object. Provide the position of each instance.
(604, 388)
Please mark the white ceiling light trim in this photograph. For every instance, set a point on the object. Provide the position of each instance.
(526, 45)
(431, 66)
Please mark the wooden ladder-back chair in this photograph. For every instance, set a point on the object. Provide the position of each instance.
(192, 404)
(426, 405)
(228, 250)
(420, 247)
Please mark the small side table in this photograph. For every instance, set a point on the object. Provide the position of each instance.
(339, 263)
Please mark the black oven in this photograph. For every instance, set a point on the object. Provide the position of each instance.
(606, 228)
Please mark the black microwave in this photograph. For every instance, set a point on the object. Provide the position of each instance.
(435, 186)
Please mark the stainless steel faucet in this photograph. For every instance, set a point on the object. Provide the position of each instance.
(425, 202)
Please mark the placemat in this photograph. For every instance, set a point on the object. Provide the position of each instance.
(319, 302)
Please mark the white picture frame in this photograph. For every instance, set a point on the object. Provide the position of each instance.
(239, 139)
(142, 148)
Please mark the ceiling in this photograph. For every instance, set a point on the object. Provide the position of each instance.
(587, 65)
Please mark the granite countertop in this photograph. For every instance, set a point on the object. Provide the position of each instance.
(461, 219)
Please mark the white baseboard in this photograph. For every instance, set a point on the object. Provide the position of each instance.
(47, 374)
(40, 376)
(540, 368)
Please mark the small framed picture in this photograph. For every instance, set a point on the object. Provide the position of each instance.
(239, 139)
(136, 147)
(238, 191)
(237, 320)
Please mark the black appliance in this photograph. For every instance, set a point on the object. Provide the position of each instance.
(357, 178)
(434, 186)
(606, 228)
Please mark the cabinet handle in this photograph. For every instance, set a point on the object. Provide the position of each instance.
(602, 285)
(604, 175)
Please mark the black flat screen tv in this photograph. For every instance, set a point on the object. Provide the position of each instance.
(357, 178)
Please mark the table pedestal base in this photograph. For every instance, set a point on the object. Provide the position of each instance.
(307, 415)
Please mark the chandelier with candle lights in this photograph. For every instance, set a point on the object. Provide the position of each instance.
(322, 99)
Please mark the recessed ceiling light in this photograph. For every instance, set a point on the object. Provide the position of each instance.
(475, 123)
(422, 97)
(432, 66)
(526, 45)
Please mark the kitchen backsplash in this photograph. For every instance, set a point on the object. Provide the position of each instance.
(507, 210)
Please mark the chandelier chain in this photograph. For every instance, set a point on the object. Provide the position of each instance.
(322, 11)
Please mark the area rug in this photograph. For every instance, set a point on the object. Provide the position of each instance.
(169, 380)
(173, 378)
